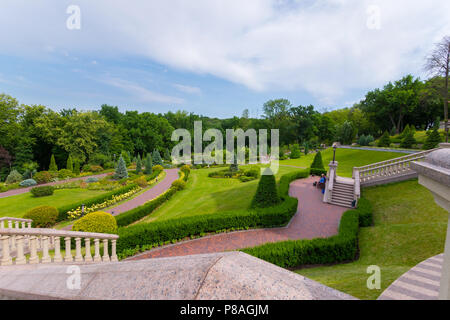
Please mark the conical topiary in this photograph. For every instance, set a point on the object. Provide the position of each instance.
(53, 166)
(385, 140)
(317, 162)
(121, 170)
(266, 195)
(408, 140)
(76, 167)
(69, 164)
(148, 164)
(157, 158)
(167, 155)
(138, 164)
(433, 140)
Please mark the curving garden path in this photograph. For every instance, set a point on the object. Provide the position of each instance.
(164, 185)
(313, 219)
(14, 192)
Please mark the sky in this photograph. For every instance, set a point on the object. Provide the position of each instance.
(211, 57)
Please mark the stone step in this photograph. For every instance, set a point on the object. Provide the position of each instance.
(341, 203)
(343, 187)
(343, 198)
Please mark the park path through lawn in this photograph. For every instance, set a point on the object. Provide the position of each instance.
(313, 219)
(14, 192)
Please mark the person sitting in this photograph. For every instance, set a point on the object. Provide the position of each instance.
(322, 183)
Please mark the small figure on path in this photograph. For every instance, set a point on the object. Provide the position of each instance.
(322, 181)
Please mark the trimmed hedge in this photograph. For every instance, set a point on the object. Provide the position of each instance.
(318, 172)
(266, 194)
(339, 248)
(176, 229)
(42, 191)
(43, 216)
(89, 202)
(99, 221)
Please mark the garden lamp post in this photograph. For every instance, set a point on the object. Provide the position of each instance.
(334, 152)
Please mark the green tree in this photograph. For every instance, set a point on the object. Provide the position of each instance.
(385, 140)
(126, 158)
(157, 158)
(76, 167)
(69, 163)
(53, 167)
(433, 140)
(318, 162)
(266, 193)
(295, 151)
(167, 156)
(121, 170)
(148, 164)
(138, 164)
(408, 140)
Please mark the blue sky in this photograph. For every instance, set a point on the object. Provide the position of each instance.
(210, 57)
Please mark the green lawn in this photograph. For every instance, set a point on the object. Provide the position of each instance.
(17, 206)
(346, 158)
(204, 195)
(409, 228)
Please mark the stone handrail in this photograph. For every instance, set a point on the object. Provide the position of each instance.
(17, 221)
(357, 188)
(50, 238)
(331, 179)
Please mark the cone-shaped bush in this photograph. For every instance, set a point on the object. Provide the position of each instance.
(138, 164)
(69, 164)
(433, 140)
(385, 140)
(53, 166)
(148, 164)
(76, 167)
(317, 162)
(167, 155)
(408, 140)
(121, 170)
(266, 194)
(157, 158)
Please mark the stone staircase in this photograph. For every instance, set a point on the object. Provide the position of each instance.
(343, 194)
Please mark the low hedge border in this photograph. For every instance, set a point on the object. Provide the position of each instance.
(152, 234)
(136, 214)
(339, 248)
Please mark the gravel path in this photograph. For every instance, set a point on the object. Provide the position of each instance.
(313, 219)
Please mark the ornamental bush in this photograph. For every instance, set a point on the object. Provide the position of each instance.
(179, 184)
(156, 157)
(92, 179)
(148, 165)
(96, 168)
(43, 177)
(408, 140)
(158, 168)
(121, 170)
(53, 166)
(138, 164)
(433, 140)
(28, 183)
(141, 182)
(385, 140)
(99, 221)
(317, 162)
(266, 194)
(13, 177)
(295, 152)
(69, 165)
(43, 216)
(42, 191)
(64, 174)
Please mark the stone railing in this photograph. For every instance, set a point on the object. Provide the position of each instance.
(47, 239)
(387, 170)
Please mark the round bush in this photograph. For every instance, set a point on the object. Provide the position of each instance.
(65, 173)
(185, 168)
(28, 183)
(43, 216)
(96, 168)
(179, 184)
(91, 179)
(13, 177)
(43, 177)
(42, 191)
(158, 168)
(99, 221)
(141, 182)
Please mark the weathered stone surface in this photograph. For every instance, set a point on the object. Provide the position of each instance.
(232, 275)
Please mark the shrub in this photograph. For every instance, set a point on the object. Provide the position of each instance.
(13, 177)
(158, 168)
(64, 174)
(28, 183)
(156, 157)
(95, 168)
(433, 140)
(138, 164)
(408, 141)
(253, 172)
(92, 179)
(121, 170)
(99, 221)
(365, 212)
(42, 191)
(266, 194)
(141, 182)
(69, 165)
(385, 140)
(186, 169)
(295, 152)
(148, 164)
(318, 172)
(43, 177)
(179, 184)
(53, 166)
(246, 179)
(317, 162)
(43, 216)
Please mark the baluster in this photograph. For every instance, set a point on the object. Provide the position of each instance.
(113, 251)
(33, 250)
(6, 258)
(87, 245)
(78, 256)
(68, 257)
(97, 257)
(29, 225)
(57, 257)
(20, 259)
(45, 256)
(105, 257)
(2, 224)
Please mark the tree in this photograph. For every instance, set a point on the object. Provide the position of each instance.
(266, 193)
(157, 158)
(148, 164)
(167, 155)
(29, 169)
(138, 164)
(121, 170)
(76, 167)
(126, 158)
(295, 151)
(5, 158)
(345, 132)
(438, 63)
(53, 166)
(234, 167)
(385, 140)
(433, 140)
(69, 163)
(408, 139)
(317, 162)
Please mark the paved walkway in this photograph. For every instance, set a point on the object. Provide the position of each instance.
(171, 176)
(420, 283)
(27, 189)
(381, 149)
(313, 219)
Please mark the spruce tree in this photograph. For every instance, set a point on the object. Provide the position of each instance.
(53, 166)
(317, 162)
(266, 194)
(148, 164)
(295, 151)
(306, 148)
(121, 170)
(76, 167)
(385, 140)
(138, 164)
(167, 155)
(157, 158)
(69, 164)
(433, 140)
(408, 140)
(126, 158)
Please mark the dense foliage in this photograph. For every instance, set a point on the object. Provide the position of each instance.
(43, 216)
(266, 194)
(42, 191)
(100, 222)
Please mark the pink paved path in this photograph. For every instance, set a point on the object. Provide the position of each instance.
(313, 219)
(24, 190)
(171, 176)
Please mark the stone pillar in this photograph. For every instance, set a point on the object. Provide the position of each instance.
(332, 173)
(434, 174)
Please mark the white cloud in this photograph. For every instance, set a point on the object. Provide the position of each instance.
(323, 47)
(187, 89)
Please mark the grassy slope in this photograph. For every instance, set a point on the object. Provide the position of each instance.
(409, 228)
(17, 206)
(347, 159)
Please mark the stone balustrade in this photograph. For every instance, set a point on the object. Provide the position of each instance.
(47, 239)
